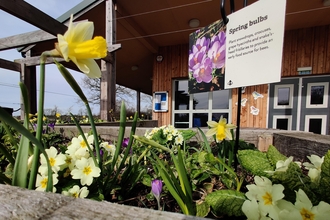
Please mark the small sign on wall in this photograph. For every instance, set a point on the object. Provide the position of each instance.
(160, 101)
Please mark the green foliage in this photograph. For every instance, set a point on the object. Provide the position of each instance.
(203, 166)
(274, 155)
(325, 178)
(226, 202)
(293, 179)
(202, 208)
(255, 162)
(187, 134)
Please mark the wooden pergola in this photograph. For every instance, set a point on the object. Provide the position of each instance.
(49, 28)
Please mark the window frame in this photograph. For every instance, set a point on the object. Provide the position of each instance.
(191, 111)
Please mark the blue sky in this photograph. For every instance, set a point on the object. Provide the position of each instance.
(58, 92)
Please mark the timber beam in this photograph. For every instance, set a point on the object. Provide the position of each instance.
(34, 16)
(9, 65)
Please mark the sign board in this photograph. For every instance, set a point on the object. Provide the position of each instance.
(206, 60)
(254, 44)
(160, 101)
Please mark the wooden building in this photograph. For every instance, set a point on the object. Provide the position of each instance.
(305, 69)
(153, 38)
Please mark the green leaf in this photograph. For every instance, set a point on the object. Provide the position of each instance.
(274, 155)
(206, 142)
(226, 202)
(187, 134)
(255, 162)
(202, 208)
(325, 178)
(293, 179)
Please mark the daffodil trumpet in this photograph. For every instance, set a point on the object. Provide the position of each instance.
(77, 45)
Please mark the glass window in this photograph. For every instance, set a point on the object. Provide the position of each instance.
(181, 120)
(181, 95)
(317, 93)
(194, 110)
(201, 100)
(220, 99)
(315, 125)
(200, 119)
(283, 96)
(282, 123)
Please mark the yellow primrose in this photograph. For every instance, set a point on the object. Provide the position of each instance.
(78, 46)
(220, 129)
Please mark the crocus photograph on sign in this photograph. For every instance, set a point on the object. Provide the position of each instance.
(207, 50)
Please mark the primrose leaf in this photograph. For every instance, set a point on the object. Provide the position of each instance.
(274, 155)
(202, 208)
(187, 134)
(226, 202)
(255, 162)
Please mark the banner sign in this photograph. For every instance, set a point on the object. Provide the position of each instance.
(254, 43)
(206, 61)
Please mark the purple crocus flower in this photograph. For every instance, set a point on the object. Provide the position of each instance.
(204, 72)
(217, 51)
(51, 125)
(125, 142)
(156, 188)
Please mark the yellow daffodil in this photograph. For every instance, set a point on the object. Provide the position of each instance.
(78, 46)
(220, 129)
(57, 115)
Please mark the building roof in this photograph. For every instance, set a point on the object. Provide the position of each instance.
(142, 26)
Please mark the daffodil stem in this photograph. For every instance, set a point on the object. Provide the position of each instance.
(35, 162)
(143, 154)
(96, 138)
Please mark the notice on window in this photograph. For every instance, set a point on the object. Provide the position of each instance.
(254, 44)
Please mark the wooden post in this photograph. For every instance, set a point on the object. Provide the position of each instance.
(108, 79)
(28, 77)
(138, 102)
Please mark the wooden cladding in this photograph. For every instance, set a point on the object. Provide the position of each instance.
(304, 48)
(174, 65)
(309, 47)
(247, 119)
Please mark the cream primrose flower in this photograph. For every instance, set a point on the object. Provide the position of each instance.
(267, 195)
(251, 210)
(78, 46)
(220, 129)
(308, 211)
(281, 166)
(111, 148)
(42, 180)
(85, 170)
(314, 168)
(77, 192)
(55, 160)
(179, 140)
(78, 147)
